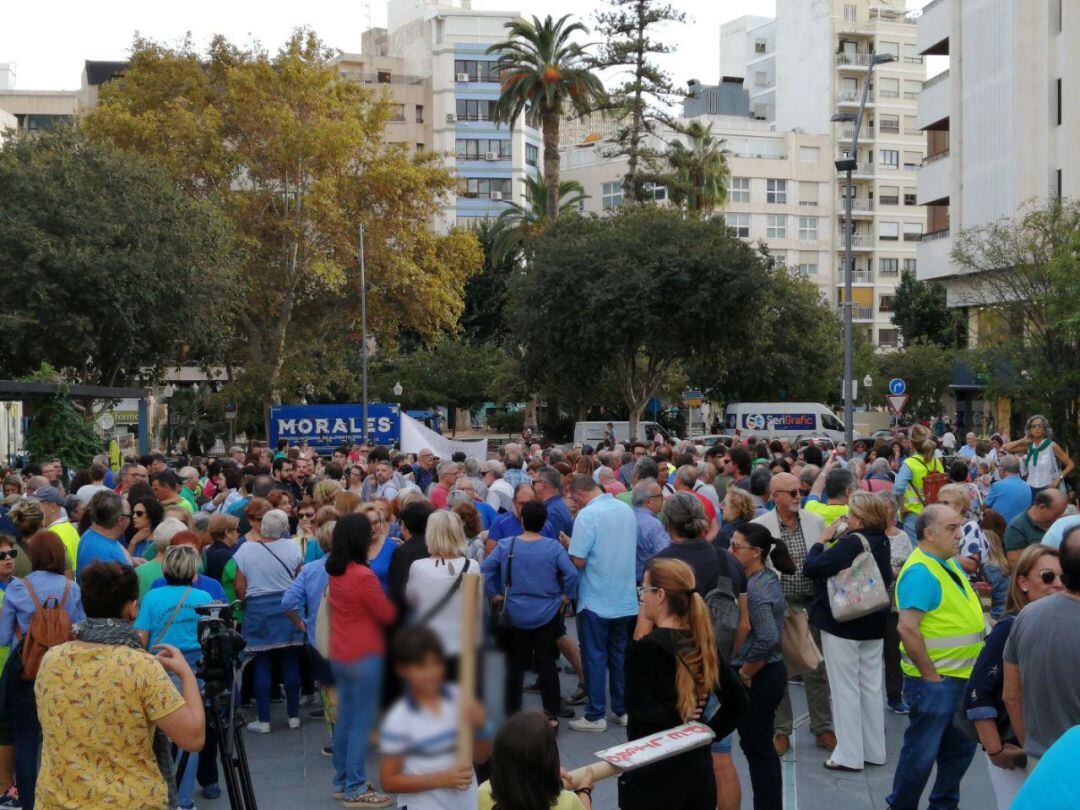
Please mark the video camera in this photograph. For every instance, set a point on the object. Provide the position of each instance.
(221, 643)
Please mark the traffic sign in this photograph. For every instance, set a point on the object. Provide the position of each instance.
(692, 397)
(897, 386)
(897, 402)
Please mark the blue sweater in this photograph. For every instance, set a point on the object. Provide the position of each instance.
(541, 575)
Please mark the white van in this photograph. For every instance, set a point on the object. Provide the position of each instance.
(594, 432)
(782, 420)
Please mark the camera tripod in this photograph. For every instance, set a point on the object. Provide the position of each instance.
(226, 726)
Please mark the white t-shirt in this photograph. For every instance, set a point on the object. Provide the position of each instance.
(427, 741)
(948, 441)
(500, 495)
(264, 573)
(88, 491)
(429, 580)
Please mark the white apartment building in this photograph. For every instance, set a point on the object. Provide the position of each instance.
(445, 43)
(1000, 130)
(780, 192)
(810, 63)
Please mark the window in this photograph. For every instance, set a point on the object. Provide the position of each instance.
(911, 54)
(912, 161)
(760, 46)
(888, 88)
(849, 13)
(419, 147)
(611, 194)
(888, 338)
(738, 224)
(831, 422)
(472, 109)
(892, 48)
(482, 148)
(476, 70)
(382, 76)
(808, 228)
(890, 158)
(659, 193)
(808, 269)
(761, 78)
(810, 154)
(532, 154)
(889, 267)
(808, 193)
(888, 231)
(912, 231)
(911, 265)
(912, 89)
(776, 191)
(397, 112)
(910, 126)
(890, 195)
(1058, 174)
(419, 113)
(739, 189)
(885, 303)
(1059, 102)
(909, 198)
(889, 123)
(484, 187)
(776, 226)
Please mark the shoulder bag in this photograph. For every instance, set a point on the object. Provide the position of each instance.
(859, 589)
(437, 608)
(503, 618)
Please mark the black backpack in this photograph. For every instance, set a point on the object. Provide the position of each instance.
(724, 610)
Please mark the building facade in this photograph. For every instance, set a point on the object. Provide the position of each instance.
(37, 110)
(409, 96)
(446, 44)
(811, 63)
(780, 192)
(1000, 132)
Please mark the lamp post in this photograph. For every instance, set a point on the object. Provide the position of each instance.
(848, 166)
(363, 334)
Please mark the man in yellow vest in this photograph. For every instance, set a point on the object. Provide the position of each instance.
(941, 633)
(909, 487)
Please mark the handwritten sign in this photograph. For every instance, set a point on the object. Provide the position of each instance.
(656, 747)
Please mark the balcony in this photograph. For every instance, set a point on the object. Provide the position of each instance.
(846, 60)
(935, 101)
(933, 256)
(932, 34)
(864, 171)
(849, 98)
(858, 277)
(893, 16)
(862, 313)
(935, 178)
(860, 207)
(865, 134)
(382, 78)
(859, 241)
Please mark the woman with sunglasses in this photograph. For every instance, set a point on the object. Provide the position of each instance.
(382, 546)
(759, 660)
(305, 531)
(146, 514)
(1046, 465)
(1037, 574)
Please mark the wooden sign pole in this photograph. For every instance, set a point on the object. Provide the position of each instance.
(470, 598)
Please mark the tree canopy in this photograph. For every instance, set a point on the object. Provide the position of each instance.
(113, 273)
(921, 312)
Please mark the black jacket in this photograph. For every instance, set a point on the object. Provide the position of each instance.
(822, 563)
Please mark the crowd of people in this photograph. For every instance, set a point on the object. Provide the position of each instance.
(701, 583)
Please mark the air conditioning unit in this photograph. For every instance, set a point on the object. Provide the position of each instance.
(496, 195)
(463, 77)
(491, 155)
(450, 118)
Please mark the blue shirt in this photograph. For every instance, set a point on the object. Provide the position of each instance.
(18, 606)
(505, 525)
(1053, 783)
(94, 547)
(652, 537)
(487, 514)
(1056, 533)
(605, 536)
(967, 451)
(542, 573)
(208, 585)
(306, 592)
(381, 563)
(1009, 496)
(920, 590)
(515, 477)
(159, 604)
(559, 518)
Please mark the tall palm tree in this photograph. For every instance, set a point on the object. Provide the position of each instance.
(520, 222)
(544, 74)
(699, 170)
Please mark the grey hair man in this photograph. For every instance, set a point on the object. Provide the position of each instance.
(648, 499)
(1010, 495)
(686, 481)
(500, 495)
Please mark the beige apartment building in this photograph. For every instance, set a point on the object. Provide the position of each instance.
(810, 63)
(780, 192)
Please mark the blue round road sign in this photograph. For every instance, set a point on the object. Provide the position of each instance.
(897, 386)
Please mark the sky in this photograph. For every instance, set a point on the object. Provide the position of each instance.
(48, 41)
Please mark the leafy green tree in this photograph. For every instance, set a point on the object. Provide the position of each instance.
(545, 76)
(921, 312)
(113, 272)
(698, 176)
(592, 300)
(521, 222)
(1023, 285)
(296, 155)
(642, 93)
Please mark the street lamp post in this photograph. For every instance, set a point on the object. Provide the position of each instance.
(363, 335)
(848, 166)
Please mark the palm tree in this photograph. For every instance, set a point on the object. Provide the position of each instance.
(699, 170)
(544, 74)
(520, 222)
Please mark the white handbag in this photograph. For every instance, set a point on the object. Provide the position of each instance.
(858, 590)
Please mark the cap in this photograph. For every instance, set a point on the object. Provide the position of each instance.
(48, 495)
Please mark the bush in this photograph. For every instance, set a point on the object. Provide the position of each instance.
(506, 421)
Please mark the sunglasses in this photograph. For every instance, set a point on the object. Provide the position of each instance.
(308, 515)
(794, 493)
(10, 554)
(1047, 577)
(139, 513)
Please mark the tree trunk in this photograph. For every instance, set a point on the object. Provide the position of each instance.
(632, 187)
(550, 125)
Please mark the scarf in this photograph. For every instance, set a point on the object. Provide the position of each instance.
(1034, 450)
(122, 633)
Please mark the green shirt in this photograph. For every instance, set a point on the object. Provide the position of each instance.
(827, 511)
(146, 574)
(1022, 532)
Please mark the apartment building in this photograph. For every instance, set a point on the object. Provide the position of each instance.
(445, 43)
(780, 192)
(409, 96)
(1000, 131)
(37, 110)
(807, 65)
